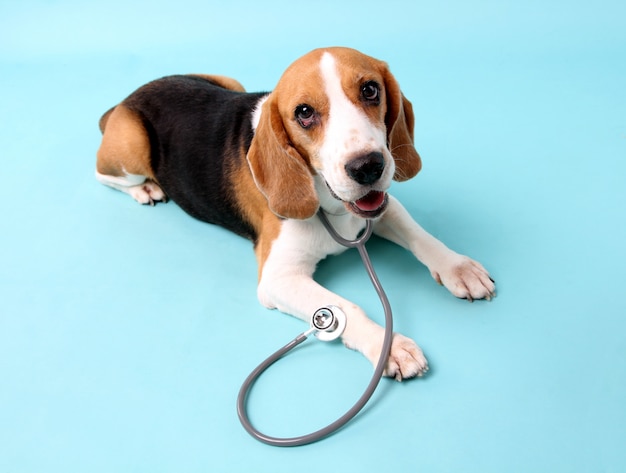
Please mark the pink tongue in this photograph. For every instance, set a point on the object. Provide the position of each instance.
(371, 201)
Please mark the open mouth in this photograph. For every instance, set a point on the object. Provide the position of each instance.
(371, 205)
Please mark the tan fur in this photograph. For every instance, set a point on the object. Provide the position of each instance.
(280, 172)
(400, 122)
(301, 83)
(125, 147)
(223, 81)
(253, 206)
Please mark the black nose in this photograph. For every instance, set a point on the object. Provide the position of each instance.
(366, 169)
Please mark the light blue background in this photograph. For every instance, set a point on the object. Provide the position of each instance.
(126, 331)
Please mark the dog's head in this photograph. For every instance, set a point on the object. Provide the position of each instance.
(336, 130)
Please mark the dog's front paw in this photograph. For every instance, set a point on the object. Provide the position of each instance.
(465, 278)
(406, 359)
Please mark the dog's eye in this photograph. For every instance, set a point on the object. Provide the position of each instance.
(370, 91)
(305, 115)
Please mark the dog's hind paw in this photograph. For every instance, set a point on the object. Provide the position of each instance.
(147, 193)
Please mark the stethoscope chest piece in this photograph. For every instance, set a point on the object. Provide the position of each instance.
(329, 322)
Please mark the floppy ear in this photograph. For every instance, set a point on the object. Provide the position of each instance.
(279, 171)
(400, 121)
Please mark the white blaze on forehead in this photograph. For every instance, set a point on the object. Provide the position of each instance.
(349, 132)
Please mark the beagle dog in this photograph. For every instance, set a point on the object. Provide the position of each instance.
(333, 134)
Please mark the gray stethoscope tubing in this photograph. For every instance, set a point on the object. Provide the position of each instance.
(358, 243)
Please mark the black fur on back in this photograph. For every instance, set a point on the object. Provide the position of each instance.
(196, 129)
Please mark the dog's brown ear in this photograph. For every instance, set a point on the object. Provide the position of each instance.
(400, 120)
(279, 171)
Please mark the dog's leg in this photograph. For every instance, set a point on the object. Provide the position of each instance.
(139, 188)
(464, 277)
(286, 284)
(124, 157)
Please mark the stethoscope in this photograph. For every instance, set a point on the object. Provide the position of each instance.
(327, 323)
